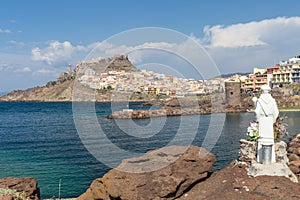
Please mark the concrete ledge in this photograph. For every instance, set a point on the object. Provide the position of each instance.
(274, 169)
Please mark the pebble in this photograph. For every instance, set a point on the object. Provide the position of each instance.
(246, 188)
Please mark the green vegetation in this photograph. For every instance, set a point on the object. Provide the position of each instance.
(104, 90)
(290, 108)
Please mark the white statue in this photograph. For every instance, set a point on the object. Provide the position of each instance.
(266, 112)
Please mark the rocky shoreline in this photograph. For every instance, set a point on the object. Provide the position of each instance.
(182, 172)
(188, 176)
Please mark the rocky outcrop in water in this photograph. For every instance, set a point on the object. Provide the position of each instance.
(176, 169)
(143, 114)
(168, 111)
(19, 189)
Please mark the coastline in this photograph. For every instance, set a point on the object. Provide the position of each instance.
(281, 110)
(289, 110)
(67, 101)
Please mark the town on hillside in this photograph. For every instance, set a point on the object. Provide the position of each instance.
(143, 81)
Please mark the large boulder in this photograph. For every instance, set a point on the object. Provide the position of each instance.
(233, 182)
(164, 173)
(19, 188)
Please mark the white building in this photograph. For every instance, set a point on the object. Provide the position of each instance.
(288, 72)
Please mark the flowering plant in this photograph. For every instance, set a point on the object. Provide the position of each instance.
(252, 131)
(280, 129)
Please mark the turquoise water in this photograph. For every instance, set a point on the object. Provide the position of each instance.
(40, 140)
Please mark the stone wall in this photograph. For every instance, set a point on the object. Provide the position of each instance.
(248, 151)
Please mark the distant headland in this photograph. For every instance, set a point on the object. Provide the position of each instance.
(116, 79)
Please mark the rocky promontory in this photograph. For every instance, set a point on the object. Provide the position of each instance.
(143, 114)
(61, 90)
(182, 106)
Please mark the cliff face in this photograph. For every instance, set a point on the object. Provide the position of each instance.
(61, 89)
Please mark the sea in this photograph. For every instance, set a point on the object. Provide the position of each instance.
(52, 141)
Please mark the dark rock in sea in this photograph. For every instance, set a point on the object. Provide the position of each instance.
(160, 174)
(153, 103)
(19, 188)
(167, 111)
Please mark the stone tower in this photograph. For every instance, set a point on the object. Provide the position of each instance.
(233, 93)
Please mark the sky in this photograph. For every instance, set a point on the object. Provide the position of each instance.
(38, 39)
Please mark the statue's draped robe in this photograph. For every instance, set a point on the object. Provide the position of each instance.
(266, 112)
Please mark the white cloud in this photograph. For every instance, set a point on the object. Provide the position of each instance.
(14, 42)
(5, 31)
(44, 71)
(55, 52)
(4, 67)
(237, 47)
(256, 33)
(24, 70)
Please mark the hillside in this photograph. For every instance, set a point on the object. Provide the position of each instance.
(61, 89)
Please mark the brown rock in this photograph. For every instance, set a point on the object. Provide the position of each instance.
(234, 183)
(294, 150)
(293, 157)
(26, 186)
(7, 197)
(160, 174)
(295, 143)
(295, 163)
(294, 169)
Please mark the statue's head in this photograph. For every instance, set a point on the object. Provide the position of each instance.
(265, 88)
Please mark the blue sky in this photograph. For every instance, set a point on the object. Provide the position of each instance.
(39, 38)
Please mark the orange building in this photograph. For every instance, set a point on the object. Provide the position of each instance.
(256, 80)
